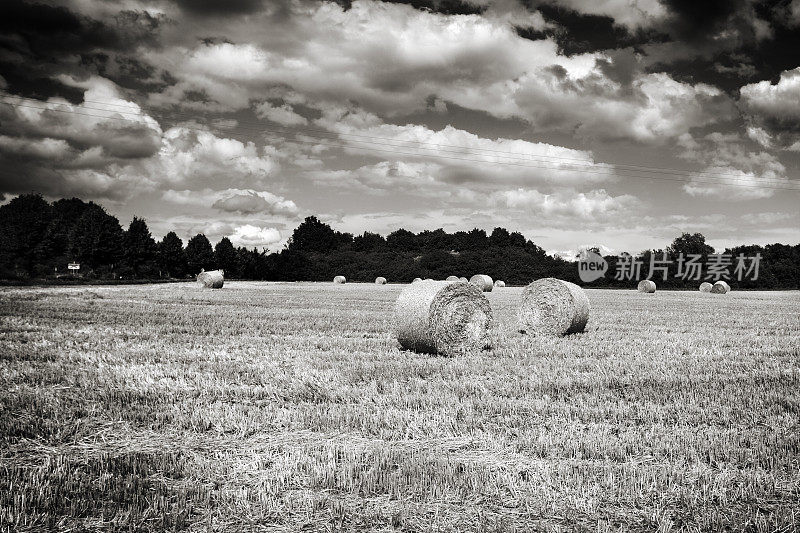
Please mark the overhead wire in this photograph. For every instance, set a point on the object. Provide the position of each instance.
(384, 147)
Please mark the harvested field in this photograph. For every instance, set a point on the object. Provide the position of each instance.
(289, 407)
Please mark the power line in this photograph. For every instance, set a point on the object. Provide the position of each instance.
(720, 180)
(514, 161)
(254, 126)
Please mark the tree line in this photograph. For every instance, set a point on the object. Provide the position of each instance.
(38, 239)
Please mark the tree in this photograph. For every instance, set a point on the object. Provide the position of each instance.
(368, 242)
(476, 239)
(95, 240)
(226, 258)
(23, 224)
(52, 253)
(139, 249)
(500, 237)
(403, 240)
(199, 255)
(313, 236)
(171, 256)
(690, 244)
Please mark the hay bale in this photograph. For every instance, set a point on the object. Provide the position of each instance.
(483, 282)
(340, 279)
(380, 280)
(442, 317)
(705, 287)
(720, 287)
(213, 279)
(499, 283)
(416, 280)
(453, 278)
(551, 306)
(647, 285)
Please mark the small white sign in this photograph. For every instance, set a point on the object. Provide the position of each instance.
(74, 266)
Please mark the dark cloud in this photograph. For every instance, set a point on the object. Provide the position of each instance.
(39, 41)
(219, 8)
(745, 59)
(699, 21)
(447, 7)
(579, 33)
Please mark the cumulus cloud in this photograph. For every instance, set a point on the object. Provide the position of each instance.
(66, 148)
(391, 58)
(594, 205)
(632, 14)
(284, 115)
(417, 156)
(775, 109)
(731, 172)
(249, 236)
(779, 101)
(245, 202)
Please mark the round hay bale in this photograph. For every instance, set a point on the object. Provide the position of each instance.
(380, 280)
(705, 287)
(442, 317)
(720, 287)
(213, 279)
(647, 285)
(499, 283)
(551, 306)
(463, 279)
(340, 279)
(483, 282)
(453, 278)
(416, 280)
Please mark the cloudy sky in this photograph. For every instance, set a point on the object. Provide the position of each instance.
(619, 123)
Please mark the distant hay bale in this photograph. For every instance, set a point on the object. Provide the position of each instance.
(647, 285)
(720, 287)
(442, 317)
(483, 282)
(416, 280)
(499, 283)
(551, 306)
(463, 279)
(453, 278)
(705, 287)
(380, 280)
(213, 279)
(340, 279)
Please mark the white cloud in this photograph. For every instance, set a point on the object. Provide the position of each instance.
(198, 159)
(284, 115)
(241, 201)
(76, 149)
(391, 59)
(736, 184)
(767, 217)
(594, 205)
(759, 135)
(780, 101)
(250, 236)
(416, 156)
(632, 14)
(118, 126)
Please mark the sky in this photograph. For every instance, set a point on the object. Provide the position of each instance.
(613, 123)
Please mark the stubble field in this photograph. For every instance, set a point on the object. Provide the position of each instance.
(289, 407)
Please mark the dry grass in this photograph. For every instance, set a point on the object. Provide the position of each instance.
(288, 407)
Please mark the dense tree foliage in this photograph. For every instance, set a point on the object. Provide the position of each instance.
(199, 254)
(172, 256)
(38, 239)
(139, 250)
